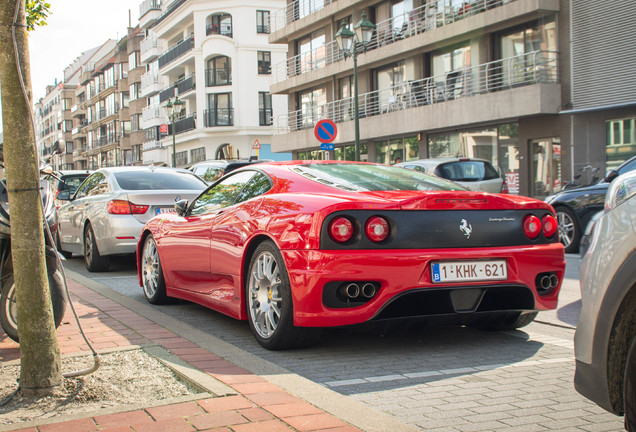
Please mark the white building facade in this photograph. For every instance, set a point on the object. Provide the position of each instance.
(215, 58)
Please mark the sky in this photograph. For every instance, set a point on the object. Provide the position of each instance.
(74, 26)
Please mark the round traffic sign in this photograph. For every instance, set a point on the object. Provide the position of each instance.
(325, 131)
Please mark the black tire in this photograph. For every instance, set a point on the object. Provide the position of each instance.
(92, 258)
(58, 246)
(569, 229)
(152, 279)
(269, 303)
(8, 312)
(506, 321)
(629, 389)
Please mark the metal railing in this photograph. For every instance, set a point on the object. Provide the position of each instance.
(526, 69)
(150, 113)
(149, 78)
(176, 51)
(166, 93)
(185, 124)
(296, 10)
(148, 43)
(222, 29)
(218, 77)
(148, 5)
(186, 84)
(430, 16)
(218, 117)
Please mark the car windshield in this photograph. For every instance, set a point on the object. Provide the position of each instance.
(467, 171)
(152, 180)
(370, 177)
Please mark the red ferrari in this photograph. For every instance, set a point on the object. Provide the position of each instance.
(294, 246)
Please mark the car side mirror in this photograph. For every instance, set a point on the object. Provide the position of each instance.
(181, 207)
(611, 176)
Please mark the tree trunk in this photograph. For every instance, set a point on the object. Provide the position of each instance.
(40, 354)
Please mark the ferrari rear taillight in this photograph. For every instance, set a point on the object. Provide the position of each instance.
(377, 229)
(549, 225)
(341, 229)
(122, 207)
(531, 226)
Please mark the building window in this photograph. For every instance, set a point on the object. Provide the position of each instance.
(181, 158)
(621, 141)
(264, 62)
(133, 60)
(264, 109)
(262, 21)
(313, 105)
(69, 147)
(197, 154)
(220, 24)
(135, 122)
(219, 71)
(219, 112)
(134, 91)
(311, 52)
(397, 150)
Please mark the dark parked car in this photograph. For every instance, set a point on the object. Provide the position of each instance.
(212, 170)
(576, 207)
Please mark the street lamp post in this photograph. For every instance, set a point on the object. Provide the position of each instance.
(172, 109)
(351, 44)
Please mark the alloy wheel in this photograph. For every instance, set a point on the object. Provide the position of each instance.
(566, 228)
(11, 307)
(264, 295)
(150, 268)
(88, 245)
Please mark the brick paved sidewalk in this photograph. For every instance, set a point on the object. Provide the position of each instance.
(260, 406)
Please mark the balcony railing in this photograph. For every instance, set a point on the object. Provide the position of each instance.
(218, 77)
(149, 78)
(151, 145)
(185, 124)
(171, 8)
(295, 11)
(186, 84)
(522, 70)
(223, 29)
(218, 117)
(176, 51)
(106, 140)
(430, 16)
(165, 94)
(148, 5)
(150, 113)
(148, 43)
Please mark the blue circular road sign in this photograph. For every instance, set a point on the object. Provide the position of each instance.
(325, 131)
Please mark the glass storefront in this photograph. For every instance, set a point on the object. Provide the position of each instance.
(498, 145)
(396, 150)
(545, 175)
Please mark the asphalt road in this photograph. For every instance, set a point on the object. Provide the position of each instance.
(432, 378)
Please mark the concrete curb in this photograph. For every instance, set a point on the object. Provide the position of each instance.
(323, 398)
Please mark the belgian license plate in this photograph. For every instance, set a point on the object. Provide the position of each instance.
(161, 210)
(468, 271)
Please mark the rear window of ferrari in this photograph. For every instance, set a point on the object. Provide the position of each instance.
(371, 177)
(156, 180)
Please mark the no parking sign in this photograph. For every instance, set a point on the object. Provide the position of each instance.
(325, 131)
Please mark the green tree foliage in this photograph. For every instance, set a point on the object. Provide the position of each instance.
(37, 12)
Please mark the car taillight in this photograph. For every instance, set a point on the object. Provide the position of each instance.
(549, 225)
(531, 226)
(125, 207)
(377, 229)
(341, 229)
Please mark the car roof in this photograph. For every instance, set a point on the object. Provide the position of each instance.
(441, 160)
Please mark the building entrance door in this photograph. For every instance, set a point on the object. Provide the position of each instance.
(545, 167)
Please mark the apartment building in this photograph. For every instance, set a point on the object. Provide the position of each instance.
(211, 61)
(54, 122)
(483, 78)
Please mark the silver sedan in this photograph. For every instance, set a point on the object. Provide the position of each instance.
(107, 212)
